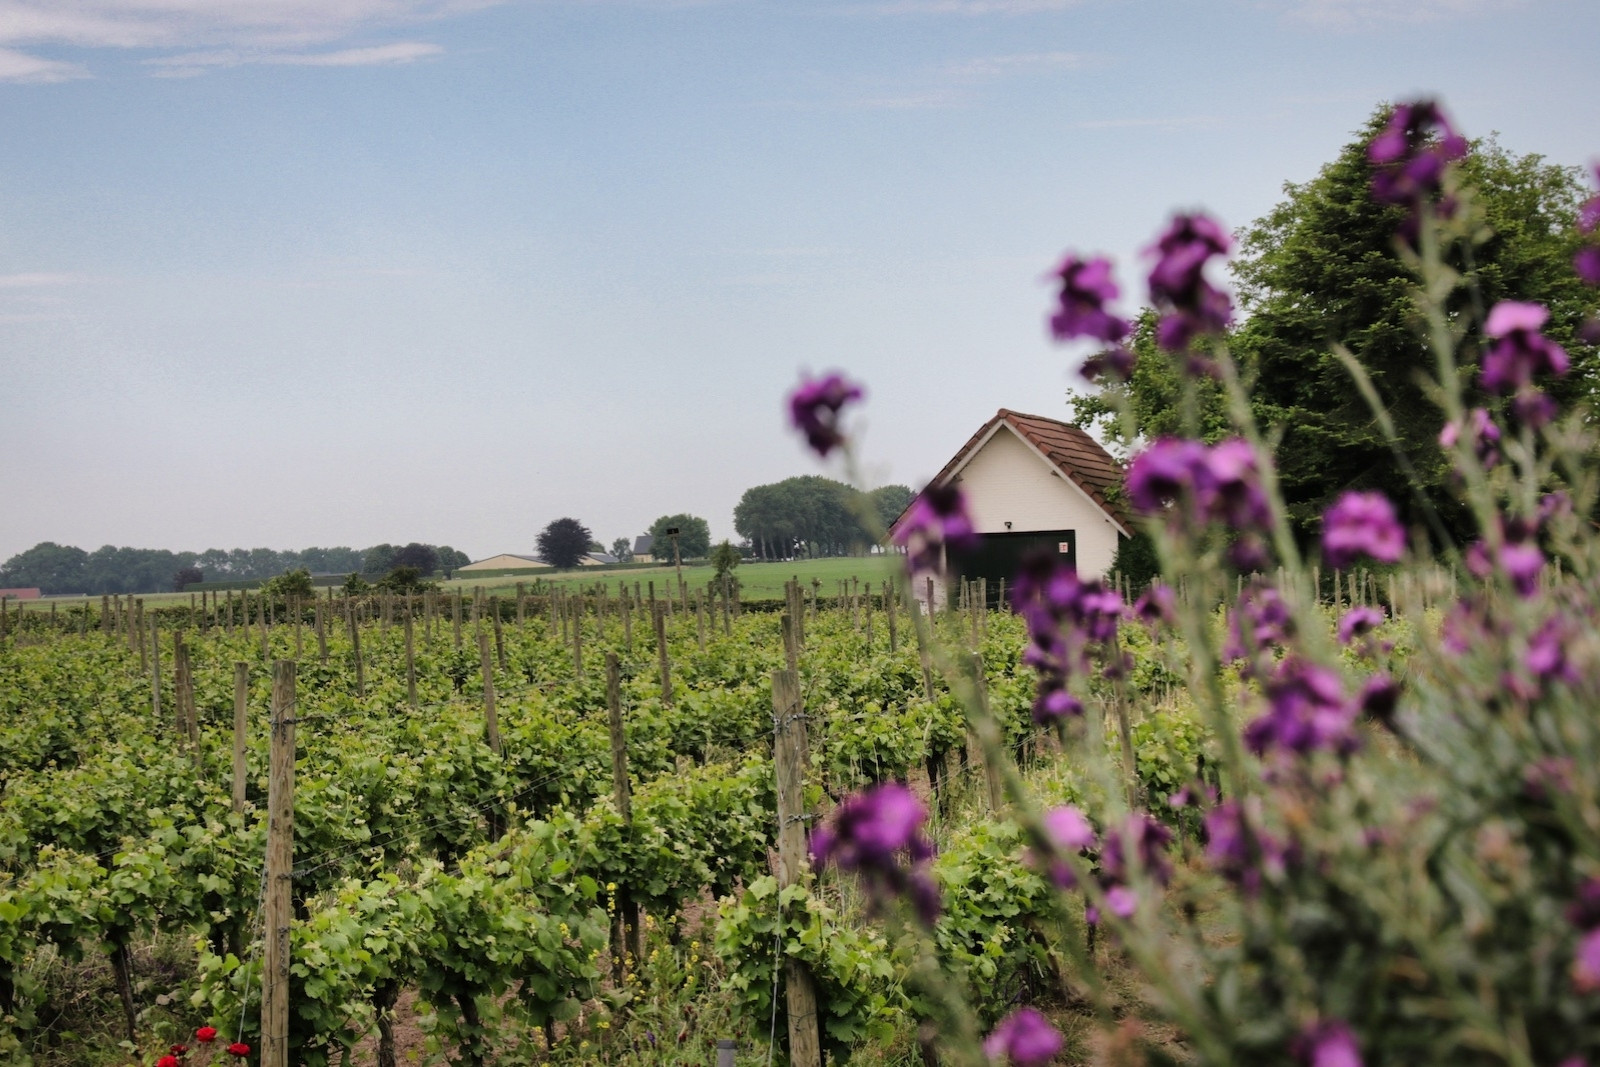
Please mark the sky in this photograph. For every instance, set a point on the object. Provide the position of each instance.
(287, 273)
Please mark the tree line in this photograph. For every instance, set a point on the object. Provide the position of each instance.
(64, 569)
(810, 516)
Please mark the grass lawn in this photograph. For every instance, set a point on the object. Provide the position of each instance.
(759, 581)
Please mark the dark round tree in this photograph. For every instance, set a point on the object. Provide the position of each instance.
(564, 542)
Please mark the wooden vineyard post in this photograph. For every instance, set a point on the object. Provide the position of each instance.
(727, 622)
(155, 670)
(788, 719)
(241, 728)
(661, 652)
(264, 606)
(791, 648)
(521, 606)
(411, 663)
(138, 636)
(499, 632)
(183, 696)
(700, 619)
(577, 640)
(490, 719)
(889, 609)
(976, 755)
(625, 609)
(626, 936)
(455, 618)
(280, 870)
(355, 651)
(322, 632)
(105, 613)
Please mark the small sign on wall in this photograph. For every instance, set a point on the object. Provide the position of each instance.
(1064, 547)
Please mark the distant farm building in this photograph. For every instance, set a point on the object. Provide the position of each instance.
(1032, 484)
(19, 594)
(642, 546)
(501, 565)
(598, 559)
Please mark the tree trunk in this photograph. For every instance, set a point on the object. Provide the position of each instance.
(383, 999)
(123, 967)
(472, 1040)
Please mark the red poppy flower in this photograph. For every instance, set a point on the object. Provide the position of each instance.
(239, 1048)
(167, 1061)
(178, 1050)
(206, 1034)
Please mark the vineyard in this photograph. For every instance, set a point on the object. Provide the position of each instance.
(460, 831)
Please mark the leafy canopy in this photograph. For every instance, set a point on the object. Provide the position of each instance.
(564, 542)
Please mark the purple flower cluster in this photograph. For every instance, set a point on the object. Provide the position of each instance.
(1024, 1039)
(1330, 1043)
(1517, 557)
(1190, 305)
(1064, 616)
(1411, 154)
(1306, 712)
(870, 832)
(1482, 434)
(1260, 620)
(1086, 288)
(1586, 263)
(1358, 621)
(1217, 483)
(1239, 850)
(1361, 524)
(1140, 844)
(814, 409)
(1069, 831)
(1520, 351)
(936, 519)
(1584, 914)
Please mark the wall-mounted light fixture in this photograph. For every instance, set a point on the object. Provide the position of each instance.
(1008, 524)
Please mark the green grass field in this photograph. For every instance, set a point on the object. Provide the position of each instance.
(759, 581)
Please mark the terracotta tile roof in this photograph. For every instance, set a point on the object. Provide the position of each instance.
(1075, 454)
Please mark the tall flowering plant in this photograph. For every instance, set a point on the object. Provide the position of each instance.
(1399, 860)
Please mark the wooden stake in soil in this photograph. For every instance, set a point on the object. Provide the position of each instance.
(355, 651)
(490, 719)
(411, 663)
(889, 609)
(155, 670)
(805, 1035)
(626, 935)
(975, 754)
(661, 653)
(280, 870)
(499, 632)
(241, 731)
(700, 619)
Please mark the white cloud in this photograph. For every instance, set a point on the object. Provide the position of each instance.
(38, 279)
(235, 31)
(21, 67)
(964, 7)
(189, 64)
(1356, 13)
(1021, 63)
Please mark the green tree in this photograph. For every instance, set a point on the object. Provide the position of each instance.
(53, 568)
(1323, 267)
(564, 542)
(295, 583)
(622, 548)
(888, 501)
(379, 559)
(694, 537)
(405, 580)
(724, 557)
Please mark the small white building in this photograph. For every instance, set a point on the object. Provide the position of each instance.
(1033, 484)
(503, 564)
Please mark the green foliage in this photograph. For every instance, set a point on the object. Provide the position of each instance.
(694, 537)
(564, 542)
(405, 581)
(296, 583)
(724, 558)
(814, 516)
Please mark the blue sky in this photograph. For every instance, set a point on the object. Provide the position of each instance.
(296, 272)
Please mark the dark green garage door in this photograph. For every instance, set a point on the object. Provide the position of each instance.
(1000, 555)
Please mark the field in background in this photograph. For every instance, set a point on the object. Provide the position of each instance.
(758, 581)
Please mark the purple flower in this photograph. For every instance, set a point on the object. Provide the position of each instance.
(1068, 831)
(1086, 288)
(1239, 850)
(1357, 621)
(1586, 963)
(1483, 435)
(1221, 483)
(1307, 712)
(936, 519)
(1158, 605)
(814, 409)
(1520, 350)
(1584, 911)
(1023, 1038)
(1064, 617)
(1547, 653)
(1328, 1044)
(1533, 407)
(1411, 154)
(1361, 524)
(1115, 363)
(1140, 836)
(1189, 304)
(1378, 698)
(1518, 558)
(1260, 619)
(1587, 262)
(869, 833)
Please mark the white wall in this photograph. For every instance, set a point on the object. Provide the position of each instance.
(1007, 481)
